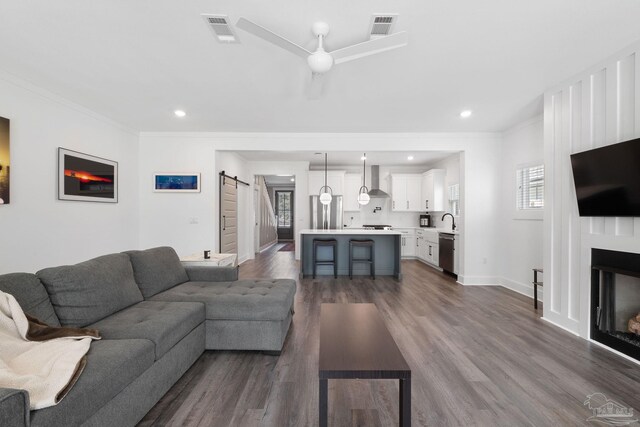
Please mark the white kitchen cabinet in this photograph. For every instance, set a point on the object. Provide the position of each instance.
(433, 256)
(406, 193)
(427, 246)
(414, 193)
(421, 245)
(407, 242)
(432, 242)
(335, 180)
(352, 183)
(433, 190)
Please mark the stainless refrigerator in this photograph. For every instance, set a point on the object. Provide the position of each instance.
(326, 217)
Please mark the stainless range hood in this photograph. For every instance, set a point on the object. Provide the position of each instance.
(375, 191)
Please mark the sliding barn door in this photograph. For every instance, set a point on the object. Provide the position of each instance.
(228, 216)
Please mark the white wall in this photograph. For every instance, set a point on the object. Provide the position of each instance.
(36, 229)
(598, 107)
(520, 244)
(479, 174)
(187, 222)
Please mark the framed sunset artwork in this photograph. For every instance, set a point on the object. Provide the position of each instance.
(86, 178)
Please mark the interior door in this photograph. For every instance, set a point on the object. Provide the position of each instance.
(228, 216)
(284, 213)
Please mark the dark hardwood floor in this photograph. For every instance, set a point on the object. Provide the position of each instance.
(479, 356)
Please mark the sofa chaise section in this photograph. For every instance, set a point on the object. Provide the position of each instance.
(240, 314)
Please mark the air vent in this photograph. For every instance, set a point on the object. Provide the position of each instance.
(221, 28)
(382, 25)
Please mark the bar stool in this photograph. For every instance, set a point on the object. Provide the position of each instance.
(334, 255)
(365, 243)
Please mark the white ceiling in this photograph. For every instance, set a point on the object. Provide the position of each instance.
(137, 61)
(347, 158)
(272, 180)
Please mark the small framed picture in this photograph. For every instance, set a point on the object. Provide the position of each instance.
(86, 178)
(176, 182)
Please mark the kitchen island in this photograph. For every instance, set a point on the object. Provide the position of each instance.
(387, 252)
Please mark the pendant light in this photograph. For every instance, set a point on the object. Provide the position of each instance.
(326, 193)
(363, 193)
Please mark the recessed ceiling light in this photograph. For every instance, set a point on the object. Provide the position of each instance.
(410, 158)
(466, 113)
(179, 113)
(363, 158)
(293, 179)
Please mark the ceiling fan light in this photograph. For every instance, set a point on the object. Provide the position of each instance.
(320, 61)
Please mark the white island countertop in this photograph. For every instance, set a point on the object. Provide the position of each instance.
(352, 231)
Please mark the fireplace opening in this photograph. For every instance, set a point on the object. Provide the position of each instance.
(615, 300)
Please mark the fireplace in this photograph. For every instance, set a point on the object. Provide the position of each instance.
(615, 300)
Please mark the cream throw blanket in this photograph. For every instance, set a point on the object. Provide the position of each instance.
(46, 369)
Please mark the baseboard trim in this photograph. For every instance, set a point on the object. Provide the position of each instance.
(546, 319)
(267, 245)
(478, 280)
(521, 288)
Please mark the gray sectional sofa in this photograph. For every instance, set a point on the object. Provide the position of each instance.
(156, 317)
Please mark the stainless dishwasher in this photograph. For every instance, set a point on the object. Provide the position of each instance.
(446, 243)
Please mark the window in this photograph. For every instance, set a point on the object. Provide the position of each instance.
(530, 185)
(454, 199)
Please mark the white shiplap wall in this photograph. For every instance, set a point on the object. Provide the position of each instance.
(596, 108)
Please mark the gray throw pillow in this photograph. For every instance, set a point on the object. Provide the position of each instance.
(84, 293)
(157, 270)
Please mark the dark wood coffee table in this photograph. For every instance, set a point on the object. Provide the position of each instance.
(356, 344)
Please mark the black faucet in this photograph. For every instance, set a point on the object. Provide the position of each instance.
(453, 221)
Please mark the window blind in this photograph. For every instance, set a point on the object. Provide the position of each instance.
(454, 199)
(530, 185)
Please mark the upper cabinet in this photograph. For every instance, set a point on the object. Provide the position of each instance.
(352, 183)
(433, 190)
(406, 193)
(335, 180)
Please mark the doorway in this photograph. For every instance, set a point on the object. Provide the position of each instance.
(284, 214)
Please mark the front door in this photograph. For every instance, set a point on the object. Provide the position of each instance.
(284, 213)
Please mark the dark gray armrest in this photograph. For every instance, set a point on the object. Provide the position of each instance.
(199, 273)
(14, 408)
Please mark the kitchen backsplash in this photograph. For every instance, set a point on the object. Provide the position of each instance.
(366, 215)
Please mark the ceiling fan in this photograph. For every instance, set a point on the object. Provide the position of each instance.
(320, 61)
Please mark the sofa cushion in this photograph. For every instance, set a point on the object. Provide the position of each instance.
(31, 295)
(84, 293)
(157, 269)
(111, 366)
(163, 323)
(238, 300)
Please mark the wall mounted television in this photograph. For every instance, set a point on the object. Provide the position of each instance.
(607, 180)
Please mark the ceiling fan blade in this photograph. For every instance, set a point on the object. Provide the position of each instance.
(271, 37)
(370, 47)
(316, 86)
